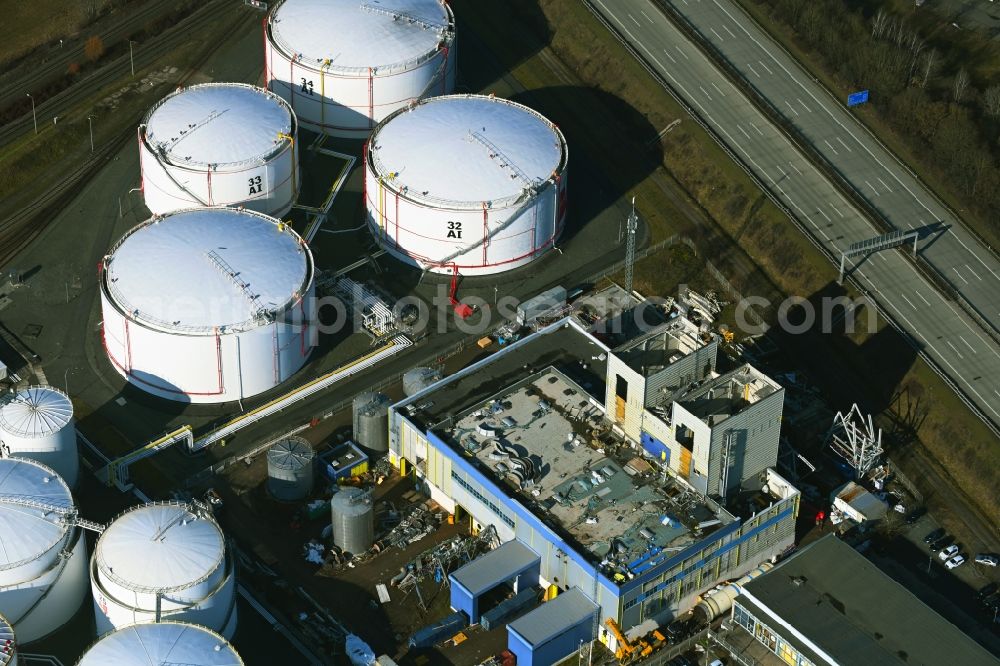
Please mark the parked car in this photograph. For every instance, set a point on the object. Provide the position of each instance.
(948, 552)
(943, 542)
(988, 559)
(956, 561)
(987, 590)
(916, 515)
(934, 536)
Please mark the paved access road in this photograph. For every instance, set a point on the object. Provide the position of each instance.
(950, 339)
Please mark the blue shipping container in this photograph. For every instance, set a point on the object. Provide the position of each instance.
(433, 634)
(508, 609)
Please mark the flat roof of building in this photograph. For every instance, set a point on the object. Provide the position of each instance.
(500, 564)
(553, 617)
(840, 604)
(727, 395)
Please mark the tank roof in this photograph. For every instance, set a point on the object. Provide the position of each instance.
(26, 531)
(219, 124)
(466, 150)
(357, 35)
(292, 453)
(160, 547)
(153, 644)
(36, 411)
(200, 269)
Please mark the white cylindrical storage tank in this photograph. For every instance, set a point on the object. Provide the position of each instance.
(417, 379)
(353, 520)
(208, 305)
(290, 468)
(219, 144)
(37, 423)
(161, 644)
(466, 183)
(371, 421)
(344, 65)
(43, 558)
(164, 561)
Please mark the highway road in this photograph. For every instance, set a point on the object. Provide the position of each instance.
(958, 347)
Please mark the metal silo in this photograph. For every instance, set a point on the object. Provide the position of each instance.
(371, 421)
(417, 379)
(37, 423)
(290, 469)
(353, 520)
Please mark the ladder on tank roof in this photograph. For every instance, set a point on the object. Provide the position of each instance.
(503, 161)
(67, 513)
(260, 312)
(396, 15)
(166, 146)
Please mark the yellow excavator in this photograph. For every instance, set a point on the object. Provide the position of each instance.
(628, 651)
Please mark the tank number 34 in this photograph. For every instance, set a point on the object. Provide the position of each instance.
(255, 186)
(454, 230)
(306, 87)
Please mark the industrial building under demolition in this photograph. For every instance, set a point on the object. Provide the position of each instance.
(541, 441)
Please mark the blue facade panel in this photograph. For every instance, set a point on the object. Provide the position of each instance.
(552, 651)
(463, 600)
(655, 447)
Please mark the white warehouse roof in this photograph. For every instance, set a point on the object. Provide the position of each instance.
(36, 411)
(26, 532)
(160, 547)
(466, 150)
(198, 269)
(219, 124)
(161, 643)
(358, 34)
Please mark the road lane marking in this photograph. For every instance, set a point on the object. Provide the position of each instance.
(791, 107)
(908, 301)
(731, 33)
(706, 93)
(792, 164)
(820, 211)
(766, 67)
(717, 34)
(753, 70)
(831, 147)
(681, 52)
(959, 275)
(634, 21)
(883, 184)
(844, 145)
(808, 110)
(921, 296)
(968, 345)
(784, 174)
(873, 188)
(667, 53)
(756, 128)
(646, 15)
(909, 224)
(974, 272)
(744, 131)
(718, 89)
(954, 349)
(882, 257)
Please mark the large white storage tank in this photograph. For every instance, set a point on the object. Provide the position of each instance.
(164, 561)
(43, 555)
(219, 144)
(466, 183)
(208, 305)
(160, 645)
(37, 423)
(344, 65)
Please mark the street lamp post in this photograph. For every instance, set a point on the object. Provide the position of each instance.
(90, 123)
(34, 118)
(130, 61)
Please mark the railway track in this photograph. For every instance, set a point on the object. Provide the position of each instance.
(19, 229)
(152, 50)
(39, 71)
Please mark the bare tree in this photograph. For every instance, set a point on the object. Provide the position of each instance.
(879, 23)
(991, 101)
(961, 85)
(930, 64)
